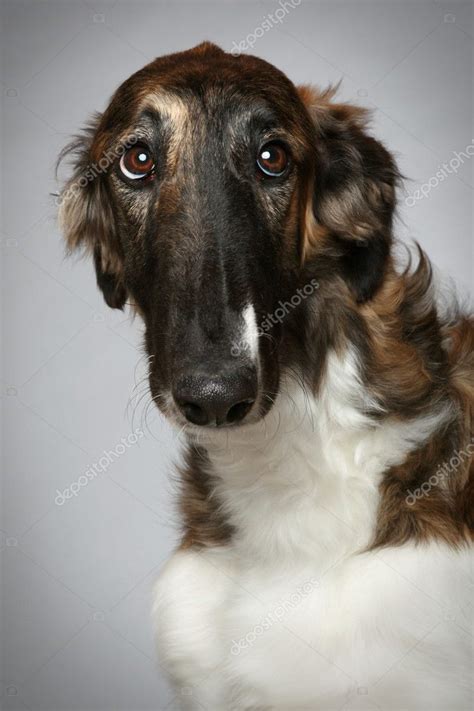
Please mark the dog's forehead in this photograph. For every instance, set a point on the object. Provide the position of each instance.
(213, 106)
(217, 82)
(209, 72)
(206, 90)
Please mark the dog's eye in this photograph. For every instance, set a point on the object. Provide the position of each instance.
(137, 162)
(272, 160)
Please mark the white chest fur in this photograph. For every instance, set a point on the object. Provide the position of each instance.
(293, 615)
(305, 480)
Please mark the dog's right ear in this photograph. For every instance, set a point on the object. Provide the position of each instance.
(87, 218)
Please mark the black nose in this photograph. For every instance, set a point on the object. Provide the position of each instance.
(216, 399)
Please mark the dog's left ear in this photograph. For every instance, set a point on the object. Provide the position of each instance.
(88, 220)
(351, 198)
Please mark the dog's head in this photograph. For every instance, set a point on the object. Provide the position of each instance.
(220, 199)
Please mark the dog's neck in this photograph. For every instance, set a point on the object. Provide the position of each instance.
(308, 478)
(305, 480)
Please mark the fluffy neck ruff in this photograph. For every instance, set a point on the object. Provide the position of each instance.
(368, 409)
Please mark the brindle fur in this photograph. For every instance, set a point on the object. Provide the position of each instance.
(330, 220)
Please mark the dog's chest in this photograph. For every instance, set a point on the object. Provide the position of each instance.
(292, 613)
(305, 483)
(300, 507)
(297, 636)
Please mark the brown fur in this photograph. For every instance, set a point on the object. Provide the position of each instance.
(331, 220)
(409, 374)
(203, 523)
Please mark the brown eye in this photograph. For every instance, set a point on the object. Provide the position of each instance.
(137, 162)
(272, 159)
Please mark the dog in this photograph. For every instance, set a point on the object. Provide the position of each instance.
(325, 393)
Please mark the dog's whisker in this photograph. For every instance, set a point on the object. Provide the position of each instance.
(312, 380)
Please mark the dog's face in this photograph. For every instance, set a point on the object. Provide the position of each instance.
(212, 191)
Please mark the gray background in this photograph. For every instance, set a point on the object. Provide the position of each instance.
(76, 579)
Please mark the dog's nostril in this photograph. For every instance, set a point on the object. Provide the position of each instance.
(238, 411)
(194, 413)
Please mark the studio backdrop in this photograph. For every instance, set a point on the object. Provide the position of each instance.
(88, 489)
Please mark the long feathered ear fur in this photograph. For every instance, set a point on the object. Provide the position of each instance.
(87, 219)
(352, 195)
